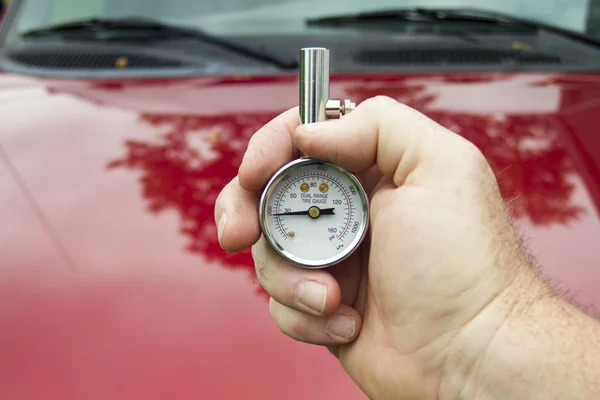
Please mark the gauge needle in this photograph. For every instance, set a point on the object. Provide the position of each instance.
(324, 211)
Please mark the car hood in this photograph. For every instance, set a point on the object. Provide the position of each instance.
(112, 282)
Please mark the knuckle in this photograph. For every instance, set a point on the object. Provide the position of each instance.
(381, 101)
(274, 128)
(295, 327)
(219, 207)
(384, 108)
(475, 157)
(278, 313)
(254, 150)
(273, 308)
(256, 137)
(266, 137)
(261, 274)
(223, 196)
(289, 321)
(473, 162)
(266, 269)
(260, 267)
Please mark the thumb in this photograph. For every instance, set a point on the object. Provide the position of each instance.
(383, 132)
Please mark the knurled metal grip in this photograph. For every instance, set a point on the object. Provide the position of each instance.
(315, 104)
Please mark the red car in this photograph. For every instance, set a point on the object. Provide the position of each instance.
(120, 122)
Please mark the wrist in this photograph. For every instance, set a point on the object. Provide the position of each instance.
(484, 351)
(527, 344)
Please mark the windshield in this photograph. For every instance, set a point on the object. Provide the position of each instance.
(260, 17)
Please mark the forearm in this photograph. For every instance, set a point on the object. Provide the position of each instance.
(527, 344)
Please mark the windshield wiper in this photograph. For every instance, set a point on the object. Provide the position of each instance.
(161, 30)
(441, 15)
(422, 14)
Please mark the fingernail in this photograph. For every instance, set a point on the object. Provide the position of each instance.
(341, 325)
(313, 295)
(221, 226)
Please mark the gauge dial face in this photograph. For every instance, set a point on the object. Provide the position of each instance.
(314, 213)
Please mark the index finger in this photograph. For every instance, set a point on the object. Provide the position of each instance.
(270, 148)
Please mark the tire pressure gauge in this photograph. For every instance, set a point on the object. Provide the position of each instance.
(312, 212)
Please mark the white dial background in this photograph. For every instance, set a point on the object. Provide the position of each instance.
(315, 239)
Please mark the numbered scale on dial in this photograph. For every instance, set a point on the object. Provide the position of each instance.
(314, 213)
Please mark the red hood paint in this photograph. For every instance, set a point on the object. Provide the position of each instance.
(112, 283)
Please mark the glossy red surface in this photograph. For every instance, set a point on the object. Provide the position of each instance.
(112, 283)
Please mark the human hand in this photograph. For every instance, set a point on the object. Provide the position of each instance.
(426, 292)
